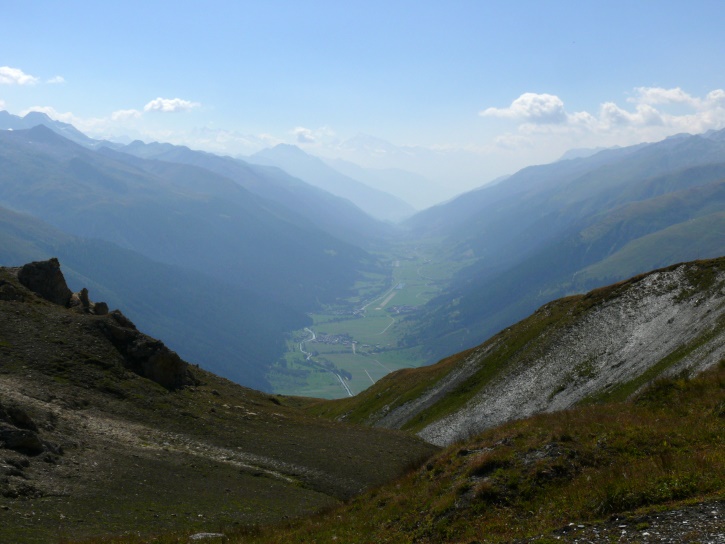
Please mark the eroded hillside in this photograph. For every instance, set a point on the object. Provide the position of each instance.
(604, 345)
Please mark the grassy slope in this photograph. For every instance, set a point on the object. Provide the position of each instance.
(394, 390)
(527, 479)
(140, 458)
(531, 477)
(701, 237)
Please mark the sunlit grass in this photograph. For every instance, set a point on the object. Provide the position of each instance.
(663, 449)
(533, 476)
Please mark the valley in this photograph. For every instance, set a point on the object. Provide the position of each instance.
(354, 343)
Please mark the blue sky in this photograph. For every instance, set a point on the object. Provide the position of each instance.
(461, 91)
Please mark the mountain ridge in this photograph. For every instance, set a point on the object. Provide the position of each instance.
(192, 224)
(530, 238)
(334, 215)
(313, 170)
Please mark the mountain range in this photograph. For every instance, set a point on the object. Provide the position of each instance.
(569, 226)
(315, 171)
(543, 232)
(335, 215)
(268, 262)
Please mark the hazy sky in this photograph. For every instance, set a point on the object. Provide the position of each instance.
(476, 88)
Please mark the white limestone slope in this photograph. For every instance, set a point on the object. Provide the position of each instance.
(658, 324)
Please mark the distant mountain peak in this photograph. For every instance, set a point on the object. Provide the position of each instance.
(315, 171)
(9, 121)
(38, 117)
(284, 150)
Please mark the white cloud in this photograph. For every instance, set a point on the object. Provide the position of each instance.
(611, 115)
(322, 136)
(655, 113)
(303, 135)
(15, 76)
(658, 95)
(56, 79)
(715, 97)
(533, 108)
(123, 115)
(170, 105)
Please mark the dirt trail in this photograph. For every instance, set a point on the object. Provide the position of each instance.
(100, 428)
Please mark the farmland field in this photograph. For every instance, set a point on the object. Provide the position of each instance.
(356, 342)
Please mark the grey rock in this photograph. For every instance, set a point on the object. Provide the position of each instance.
(144, 355)
(21, 440)
(82, 303)
(45, 279)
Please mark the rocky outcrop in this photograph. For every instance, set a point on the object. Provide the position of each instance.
(144, 355)
(45, 279)
(19, 432)
(83, 303)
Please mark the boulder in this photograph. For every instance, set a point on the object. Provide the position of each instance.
(82, 303)
(45, 279)
(22, 440)
(100, 308)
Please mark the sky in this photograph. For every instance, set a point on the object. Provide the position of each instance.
(460, 91)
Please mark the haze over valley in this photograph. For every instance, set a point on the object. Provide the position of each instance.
(282, 286)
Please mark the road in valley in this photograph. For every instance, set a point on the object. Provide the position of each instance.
(308, 356)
